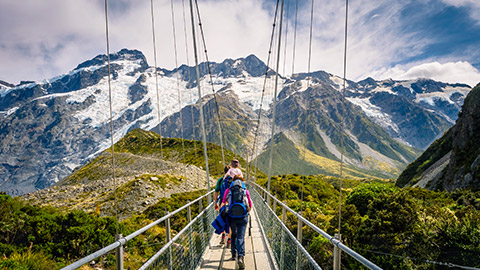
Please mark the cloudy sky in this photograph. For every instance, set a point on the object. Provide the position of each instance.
(399, 39)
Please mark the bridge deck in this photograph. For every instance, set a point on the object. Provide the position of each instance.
(256, 253)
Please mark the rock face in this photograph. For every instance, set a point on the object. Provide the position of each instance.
(49, 128)
(140, 181)
(453, 161)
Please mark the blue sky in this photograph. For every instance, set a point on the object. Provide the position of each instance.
(406, 39)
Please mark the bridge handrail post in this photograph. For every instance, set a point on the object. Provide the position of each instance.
(331, 239)
(299, 238)
(282, 245)
(190, 240)
(169, 237)
(274, 208)
(189, 213)
(119, 254)
(337, 254)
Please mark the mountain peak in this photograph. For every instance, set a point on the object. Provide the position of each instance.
(123, 54)
(6, 84)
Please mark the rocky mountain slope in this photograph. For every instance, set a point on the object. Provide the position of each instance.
(143, 176)
(49, 128)
(453, 161)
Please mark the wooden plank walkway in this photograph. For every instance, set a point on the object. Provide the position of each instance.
(256, 253)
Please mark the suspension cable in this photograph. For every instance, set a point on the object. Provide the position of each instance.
(286, 38)
(343, 119)
(307, 100)
(204, 136)
(111, 119)
(211, 82)
(188, 76)
(275, 98)
(156, 78)
(294, 37)
(178, 80)
(264, 87)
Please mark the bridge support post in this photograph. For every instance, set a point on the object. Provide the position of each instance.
(274, 208)
(202, 227)
(119, 254)
(190, 240)
(337, 254)
(169, 237)
(282, 245)
(189, 212)
(298, 264)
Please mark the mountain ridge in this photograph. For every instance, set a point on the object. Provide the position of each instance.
(50, 127)
(453, 161)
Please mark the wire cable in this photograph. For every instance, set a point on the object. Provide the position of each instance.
(294, 37)
(286, 39)
(178, 82)
(156, 78)
(204, 136)
(264, 87)
(275, 100)
(343, 120)
(111, 119)
(188, 76)
(211, 82)
(266, 77)
(307, 100)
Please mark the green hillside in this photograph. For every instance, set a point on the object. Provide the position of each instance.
(148, 143)
(396, 228)
(288, 158)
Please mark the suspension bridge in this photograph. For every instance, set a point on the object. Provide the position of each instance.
(269, 242)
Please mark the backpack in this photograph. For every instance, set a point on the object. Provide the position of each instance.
(237, 205)
(225, 184)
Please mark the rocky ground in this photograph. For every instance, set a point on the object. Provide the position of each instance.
(141, 182)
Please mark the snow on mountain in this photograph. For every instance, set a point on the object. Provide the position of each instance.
(76, 104)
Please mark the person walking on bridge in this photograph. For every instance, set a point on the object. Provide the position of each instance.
(239, 205)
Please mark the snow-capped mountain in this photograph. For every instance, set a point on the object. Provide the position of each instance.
(50, 127)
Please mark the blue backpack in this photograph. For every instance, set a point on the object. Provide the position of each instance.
(225, 184)
(237, 207)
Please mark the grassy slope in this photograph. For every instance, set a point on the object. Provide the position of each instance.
(288, 158)
(140, 142)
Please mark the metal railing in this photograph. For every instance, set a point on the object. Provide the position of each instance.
(185, 250)
(196, 233)
(283, 246)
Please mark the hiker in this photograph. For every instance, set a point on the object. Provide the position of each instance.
(227, 181)
(234, 170)
(239, 205)
(220, 190)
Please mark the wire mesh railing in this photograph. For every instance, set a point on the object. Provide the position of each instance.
(185, 250)
(288, 250)
(182, 251)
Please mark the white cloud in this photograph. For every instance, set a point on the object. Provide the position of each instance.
(451, 72)
(43, 39)
(375, 37)
(472, 5)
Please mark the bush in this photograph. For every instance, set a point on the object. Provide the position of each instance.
(28, 261)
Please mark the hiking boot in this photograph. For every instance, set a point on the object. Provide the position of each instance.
(223, 239)
(229, 242)
(241, 262)
(234, 256)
